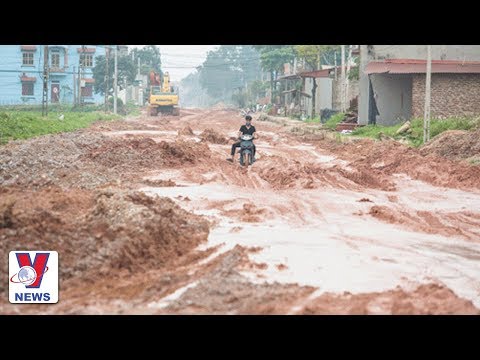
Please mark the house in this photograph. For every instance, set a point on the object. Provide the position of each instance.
(392, 82)
(70, 69)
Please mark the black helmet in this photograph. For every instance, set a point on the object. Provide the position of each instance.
(248, 117)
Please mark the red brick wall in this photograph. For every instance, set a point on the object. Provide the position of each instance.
(452, 95)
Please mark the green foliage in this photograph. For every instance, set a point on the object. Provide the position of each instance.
(354, 73)
(315, 120)
(314, 54)
(240, 98)
(228, 68)
(273, 57)
(415, 137)
(126, 70)
(374, 131)
(258, 89)
(150, 59)
(132, 109)
(26, 124)
(334, 120)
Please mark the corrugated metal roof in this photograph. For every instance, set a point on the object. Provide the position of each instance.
(416, 66)
(288, 77)
(316, 73)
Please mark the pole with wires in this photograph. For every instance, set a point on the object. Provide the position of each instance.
(115, 82)
(107, 55)
(426, 114)
(45, 82)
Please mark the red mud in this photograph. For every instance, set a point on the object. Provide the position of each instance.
(105, 231)
(73, 193)
(431, 299)
(210, 135)
(378, 160)
(447, 224)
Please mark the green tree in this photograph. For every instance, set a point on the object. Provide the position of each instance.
(227, 69)
(313, 56)
(273, 58)
(150, 59)
(126, 70)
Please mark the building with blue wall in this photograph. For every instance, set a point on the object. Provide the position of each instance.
(70, 69)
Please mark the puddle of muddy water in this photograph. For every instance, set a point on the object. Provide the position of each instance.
(336, 251)
(320, 257)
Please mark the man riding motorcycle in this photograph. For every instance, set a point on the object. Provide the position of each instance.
(249, 129)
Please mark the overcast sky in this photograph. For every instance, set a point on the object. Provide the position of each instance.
(181, 60)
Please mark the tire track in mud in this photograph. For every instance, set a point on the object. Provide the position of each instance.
(296, 205)
(335, 175)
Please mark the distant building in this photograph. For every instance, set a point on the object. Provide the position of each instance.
(21, 73)
(392, 82)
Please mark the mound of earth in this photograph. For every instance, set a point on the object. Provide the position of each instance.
(103, 231)
(210, 135)
(454, 144)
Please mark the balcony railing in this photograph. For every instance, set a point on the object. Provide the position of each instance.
(57, 69)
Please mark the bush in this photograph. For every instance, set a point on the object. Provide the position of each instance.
(334, 121)
(120, 106)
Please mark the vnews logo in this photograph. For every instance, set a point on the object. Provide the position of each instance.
(33, 277)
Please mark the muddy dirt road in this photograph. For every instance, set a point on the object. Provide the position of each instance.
(149, 218)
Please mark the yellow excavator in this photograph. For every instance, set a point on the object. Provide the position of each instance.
(163, 97)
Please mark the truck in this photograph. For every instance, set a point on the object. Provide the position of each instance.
(163, 97)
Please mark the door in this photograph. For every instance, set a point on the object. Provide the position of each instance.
(55, 93)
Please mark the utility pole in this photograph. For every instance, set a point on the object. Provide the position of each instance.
(83, 64)
(45, 82)
(74, 87)
(426, 114)
(115, 82)
(139, 88)
(107, 55)
(79, 90)
(343, 79)
(347, 84)
(335, 56)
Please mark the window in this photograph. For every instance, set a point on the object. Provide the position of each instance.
(55, 59)
(27, 58)
(27, 88)
(86, 60)
(87, 90)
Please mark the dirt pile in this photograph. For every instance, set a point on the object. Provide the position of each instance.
(455, 144)
(160, 182)
(98, 231)
(431, 299)
(248, 213)
(463, 224)
(187, 130)
(310, 176)
(88, 159)
(225, 291)
(52, 159)
(382, 159)
(210, 135)
(143, 153)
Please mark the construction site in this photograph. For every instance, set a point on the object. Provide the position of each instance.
(148, 218)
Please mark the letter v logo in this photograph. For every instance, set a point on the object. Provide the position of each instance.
(39, 264)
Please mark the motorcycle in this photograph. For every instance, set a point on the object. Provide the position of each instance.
(246, 150)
